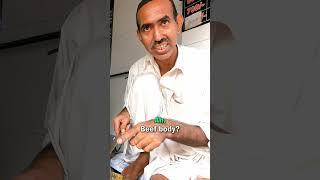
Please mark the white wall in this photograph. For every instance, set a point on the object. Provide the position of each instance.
(25, 76)
(198, 37)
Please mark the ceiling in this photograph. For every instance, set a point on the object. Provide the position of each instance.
(24, 19)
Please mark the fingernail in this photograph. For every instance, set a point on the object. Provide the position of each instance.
(119, 141)
(122, 130)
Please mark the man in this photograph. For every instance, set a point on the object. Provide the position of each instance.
(171, 83)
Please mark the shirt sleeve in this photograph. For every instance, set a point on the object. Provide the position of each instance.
(129, 86)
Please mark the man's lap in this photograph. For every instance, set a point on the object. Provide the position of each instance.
(185, 169)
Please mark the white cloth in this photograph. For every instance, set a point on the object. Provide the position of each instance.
(181, 94)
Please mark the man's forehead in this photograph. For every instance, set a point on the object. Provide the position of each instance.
(155, 10)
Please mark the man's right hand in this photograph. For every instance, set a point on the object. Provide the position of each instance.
(121, 122)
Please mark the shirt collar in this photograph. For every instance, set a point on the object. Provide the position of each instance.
(149, 60)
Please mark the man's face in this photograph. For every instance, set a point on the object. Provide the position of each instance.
(158, 29)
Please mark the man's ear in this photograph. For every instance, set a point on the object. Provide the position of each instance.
(139, 35)
(180, 20)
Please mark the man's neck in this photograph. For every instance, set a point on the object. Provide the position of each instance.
(168, 64)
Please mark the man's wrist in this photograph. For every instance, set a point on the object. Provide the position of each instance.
(173, 124)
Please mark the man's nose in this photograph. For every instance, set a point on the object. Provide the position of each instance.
(157, 34)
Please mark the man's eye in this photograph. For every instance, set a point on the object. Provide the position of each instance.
(146, 28)
(165, 22)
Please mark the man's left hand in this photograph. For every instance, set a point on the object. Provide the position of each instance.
(143, 140)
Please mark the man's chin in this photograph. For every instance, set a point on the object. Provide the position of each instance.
(162, 57)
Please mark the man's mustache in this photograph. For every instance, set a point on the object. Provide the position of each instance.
(159, 42)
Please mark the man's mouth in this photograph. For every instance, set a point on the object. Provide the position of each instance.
(160, 47)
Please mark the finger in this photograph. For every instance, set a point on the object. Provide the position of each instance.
(144, 143)
(123, 125)
(127, 135)
(116, 124)
(151, 146)
(124, 130)
(136, 139)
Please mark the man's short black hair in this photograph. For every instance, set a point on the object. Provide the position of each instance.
(144, 2)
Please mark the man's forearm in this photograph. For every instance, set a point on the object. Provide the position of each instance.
(143, 159)
(136, 168)
(190, 135)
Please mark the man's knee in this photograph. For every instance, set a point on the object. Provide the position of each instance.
(158, 177)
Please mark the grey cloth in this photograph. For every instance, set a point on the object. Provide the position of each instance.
(222, 78)
(275, 114)
(77, 110)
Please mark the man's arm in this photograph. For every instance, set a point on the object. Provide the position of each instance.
(46, 165)
(191, 135)
(135, 169)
